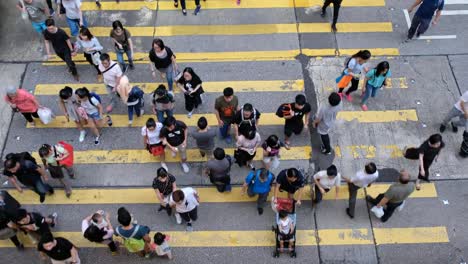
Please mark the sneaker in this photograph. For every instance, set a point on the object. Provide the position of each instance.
(184, 12)
(185, 167)
(178, 218)
(142, 112)
(171, 92)
(454, 128)
(197, 10)
(82, 135)
(42, 198)
(51, 191)
(163, 164)
(52, 12)
(54, 219)
(260, 211)
(96, 141)
(349, 98)
(189, 115)
(189, 227)
(130, 122)
(109, 120)
(132, 67)
(347, 212)
(442, 128)
(364, 107)
(324, 151)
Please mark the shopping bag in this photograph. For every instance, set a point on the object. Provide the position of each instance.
(156, 150)
(68, 161)
(45, 114)
(345, 80)
(378, 211)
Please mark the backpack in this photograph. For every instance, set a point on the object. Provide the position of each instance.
(135, 94)
(133, 245)
(20, 157)
(95, 95)
(284, 110)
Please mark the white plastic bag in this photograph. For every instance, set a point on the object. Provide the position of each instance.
(378, 211)
(45, 114)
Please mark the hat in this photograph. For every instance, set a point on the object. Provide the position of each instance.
(11, 90)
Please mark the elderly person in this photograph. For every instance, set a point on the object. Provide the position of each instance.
(22, 101)
(132, 97)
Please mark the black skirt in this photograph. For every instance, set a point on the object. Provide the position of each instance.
(242, 157)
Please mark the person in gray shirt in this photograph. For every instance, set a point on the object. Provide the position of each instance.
(219, 170)
(204, 136)
(325, 120)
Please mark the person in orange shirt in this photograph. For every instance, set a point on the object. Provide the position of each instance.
(24, 102)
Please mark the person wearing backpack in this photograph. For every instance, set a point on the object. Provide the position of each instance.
(22, 101)
(69, 106)
(111, 73)
(99, 230)
(296, 116)
(23, 168)
(219, 170)
(136, 237)
(123, 44)
(52, 157)
(375, 80)
(258, 182)
(163, 103)
(91, 105)
(247, 118)
(163, 60)
(354, 67)
(132, 96)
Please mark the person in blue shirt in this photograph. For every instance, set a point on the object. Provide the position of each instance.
(423, 17)
(258, 182)
(375, 79)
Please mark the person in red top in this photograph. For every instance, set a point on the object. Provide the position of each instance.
(24, 102)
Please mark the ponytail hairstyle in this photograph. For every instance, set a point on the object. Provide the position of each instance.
(66, 93)
(44, 150)
(363, 54)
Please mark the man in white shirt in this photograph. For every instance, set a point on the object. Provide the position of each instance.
(362, 179)
(185, 202)
(325, 180)
(111, 73)
(460, 110)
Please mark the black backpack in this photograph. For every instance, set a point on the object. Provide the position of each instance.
(20, 157)
(94, 234)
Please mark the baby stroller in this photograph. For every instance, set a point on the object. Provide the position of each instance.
(289, 206)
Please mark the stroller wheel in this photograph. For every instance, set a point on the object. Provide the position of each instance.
(293, 254)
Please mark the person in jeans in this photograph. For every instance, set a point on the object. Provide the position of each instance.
(37, 13)
(324, 181)
(336, 11)
(59, 250)
(99, 230)
(422, 19)
(362, 179)
(34, 224)
(61, 44)
(91, 49)
(375, 79)
(128, 229)
(151, 133)
(185, 201)
(396, 194)
(68, 103)
(296, 117)
(174, 135)
(164, 184)
(324, 120)
(74, 15)
(291, 181)
(191, 86)
(247, 118)
(163, 103)
(460, 110)
(355, 66)
(24, 102)
(51, 157)
(204, 137)
(163, 59)
(259, 183)
(29, 174)
(123, 44)
(132, 96)
(184, 11)
(112, 73)
(219, 170)
(226, 107)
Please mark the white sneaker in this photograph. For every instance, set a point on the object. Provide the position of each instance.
(96, 141)
(173, 154)
(178, 218)
(171, 93)
(130, 122)
(163, 164)
(189, 115)
(82, 135)
(185, 167)
(142, 112)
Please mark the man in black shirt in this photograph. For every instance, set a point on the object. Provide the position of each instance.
(8, 204)
(290, 180)
(174, 134)
(34, 223)
(59, 249)
(336, 11)
(61, 44)
(246, 119)
(294, 114)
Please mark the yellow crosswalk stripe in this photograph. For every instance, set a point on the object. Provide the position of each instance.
(207, 195)
(267, 118)
(265, 238)
(350, 52)
(209, 87)
(168, 5)
(392, 83)
(369, 151)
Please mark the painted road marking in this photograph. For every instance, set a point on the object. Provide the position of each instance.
(209, 87)
(270, 119)
(330, 85)
(265, 238)
(207, 194)
(454, 12)
(408, 23)
(369, 151)
(168, 5)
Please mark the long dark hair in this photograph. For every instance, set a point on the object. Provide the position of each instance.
(83, 92)
(117, 24)
(363, 54)
(85, 31)
(381, 67)
(191, 72)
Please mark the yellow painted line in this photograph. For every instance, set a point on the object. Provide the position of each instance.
(216, 4)
(399, 82)
(346, 27)
(209, 87)
(415, 235)
(265, 238)
(374, 52)
(207, 195)
(379, 116)
(369, 151)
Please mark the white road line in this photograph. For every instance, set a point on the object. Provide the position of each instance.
(438, 37)
(456, 2)
(454, 12)
(408, 19)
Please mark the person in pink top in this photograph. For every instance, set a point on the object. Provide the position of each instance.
(24, 102)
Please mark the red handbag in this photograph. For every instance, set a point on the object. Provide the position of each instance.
(68, 161)
(156, 150)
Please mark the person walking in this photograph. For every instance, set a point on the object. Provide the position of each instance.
(324, 120)
(28, 173)
(296, 117)
(61, 44)
(123, 44)
(8, 210)
(34, 224)
(336, 11)
(247, 118)
(423, 17)
(184, 11)
(54, 158)
(132, 96)
(396, 194)
(225, 108)
(247, 146)
(324, 181)
(191, 86)
(164, 184)
(59, 250)
(427, 153)
(152, 141)
(354, 67)
(112, 73)
(74, 15)
(375, 79)
(218, 170)
(163, 103)
(271, 152)
(99, 230)
(204, 137)
(22, 101)
(136, 237)
(91, 47)
(362, 179)
(460, 110)
(174, 135)
(291, 181)
(36, 12)
(164, 61)
(90, 111)
(186, 202)
(259, 183)
(69, 106)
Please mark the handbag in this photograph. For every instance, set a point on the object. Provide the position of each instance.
(68, 161)
(156, 150)
(96, 57)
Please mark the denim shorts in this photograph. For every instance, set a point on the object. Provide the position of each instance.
(39, 26)
(95, 116)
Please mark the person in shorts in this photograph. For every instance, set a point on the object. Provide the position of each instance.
(36, 12)
(204, 137)
(164, 184)
(151, 133)
(92, 111)
(296, 116)
(174, 135)
(69, 105)
(185, 201)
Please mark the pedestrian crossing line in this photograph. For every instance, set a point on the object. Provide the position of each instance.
(245, 29)
(245, 4)
(369, 151)
(392, 83)
(208, 87)
(207, 195)
(266, 238)
(269, 119)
